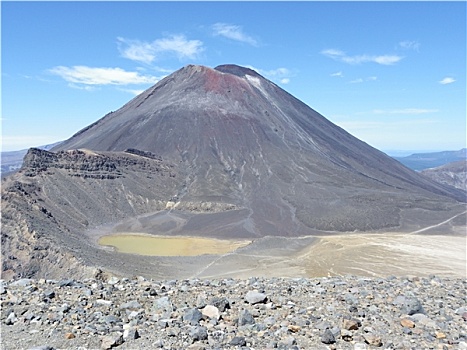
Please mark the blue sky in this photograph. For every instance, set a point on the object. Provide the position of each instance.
(391, 73)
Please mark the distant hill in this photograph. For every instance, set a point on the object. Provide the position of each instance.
(453, 174)
(421, 161)
(12, 161)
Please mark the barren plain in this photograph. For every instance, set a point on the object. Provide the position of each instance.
(438, 249)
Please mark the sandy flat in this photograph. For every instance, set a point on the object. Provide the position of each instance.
(357, 254)
(387, 254)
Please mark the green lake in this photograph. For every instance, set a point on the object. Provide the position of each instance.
(142, 244)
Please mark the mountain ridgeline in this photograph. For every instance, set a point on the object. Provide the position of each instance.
(225, 153)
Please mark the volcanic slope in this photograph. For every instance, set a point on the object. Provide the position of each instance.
(206, 152)
(242, 140)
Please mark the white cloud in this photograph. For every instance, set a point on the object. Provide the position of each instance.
(135, 92)
(356, 81)
(405, 111)
(136, 50)
(333, 53)
(279, 74)
(447, 80)
(409, 45)
(83, 87)
(101, 76)
(339, 55)
(145, 52)
(179, 45)
(361, 80)
(337, 74)
(385, 59)
(233, 32)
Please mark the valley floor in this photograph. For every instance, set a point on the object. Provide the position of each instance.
(364, 254)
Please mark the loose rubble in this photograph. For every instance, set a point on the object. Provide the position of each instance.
(277, 313)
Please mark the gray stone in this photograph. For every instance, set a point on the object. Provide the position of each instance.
(245, 318)
(111, 341)
(22, 282)
(163, 304)
(65, 283)
(253, 297)
(221, 303)
(198, 333)
(322, 325)
(211, 311)
(192, 316)
(328, 337)
(346, 335)
(238, 341)
(200, 301)
(351, 324)
(372, 339)
(159, 343)
(412, 305)
(49, 294)
(11, 319)
(289, 341)
(130, 334)
(113, 280)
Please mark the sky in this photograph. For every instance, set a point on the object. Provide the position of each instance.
(392, 74)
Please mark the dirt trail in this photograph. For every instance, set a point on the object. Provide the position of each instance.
(437, 225)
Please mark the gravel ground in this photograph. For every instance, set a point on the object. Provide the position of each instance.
(258, 313)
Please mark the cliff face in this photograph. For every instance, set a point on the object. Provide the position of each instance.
(453, 174)
(55, 197)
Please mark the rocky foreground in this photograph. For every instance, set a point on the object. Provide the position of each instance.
(320, 313)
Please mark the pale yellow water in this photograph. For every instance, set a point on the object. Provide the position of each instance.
(169, 246)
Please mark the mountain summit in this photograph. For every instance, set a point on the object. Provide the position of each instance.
(239, 139)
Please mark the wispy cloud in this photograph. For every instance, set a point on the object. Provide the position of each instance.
(361, 80)
(135, 92)
(447, 80)
(409, 45)
(101, 76)
(405, 111)
(233, 32)
(147, 52)
(337, 74)
(281, 75)
(341, 56)
(356, 81)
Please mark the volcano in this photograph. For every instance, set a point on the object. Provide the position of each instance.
(242, 140)
(218, 152)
